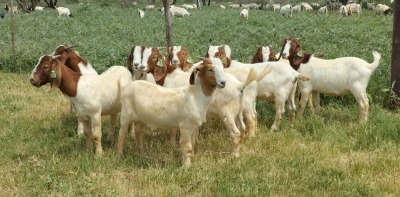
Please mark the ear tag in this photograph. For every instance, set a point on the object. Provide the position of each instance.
(160, 63)
(224, 60)
(53, 74)
(300, 54)
(189, 60)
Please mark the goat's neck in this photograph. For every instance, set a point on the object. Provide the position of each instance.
(169, 70)
(73, 62)
(296, 61)
(69, 82)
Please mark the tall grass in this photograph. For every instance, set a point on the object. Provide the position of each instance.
(325, 154)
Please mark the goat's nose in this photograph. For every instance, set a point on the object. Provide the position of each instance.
(175, 61)
(223, 83)
(136, 64)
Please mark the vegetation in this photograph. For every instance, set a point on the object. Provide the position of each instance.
(325, 154)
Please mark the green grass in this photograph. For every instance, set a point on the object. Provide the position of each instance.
(324, 154)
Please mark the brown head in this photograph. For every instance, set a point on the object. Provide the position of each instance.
(155, 63)
(178, 56)
(222, 52)
(69, 57)
(210, 73)
(292, 50)
(264, 54)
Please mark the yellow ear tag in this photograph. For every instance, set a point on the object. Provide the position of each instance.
(224, 60)
(300, 54)
(53, 74)
(189, 60)
(160, 63)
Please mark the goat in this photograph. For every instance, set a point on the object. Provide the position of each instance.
(92, 95)
(63, 11)
(72, 60)
(279, 85)
(141, 13)
(323, 10)
(382, 9)
(179, 57)
(184, 108)
(244, 14)
(286, 10)
(13, 10)
(340, 76)
(178, 11)
(222, 6)
(150, 7)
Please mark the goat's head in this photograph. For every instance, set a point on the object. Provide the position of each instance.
(210, 72)
(48, 70)
(222, 52)
(179, 57)
(154, 62)
(135, 58)
(292, 51)
(264, 54)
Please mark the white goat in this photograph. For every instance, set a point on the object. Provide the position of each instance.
(276, 7)
(323, 10)
(340, 76)
(92, 95)
(141, 13)
(150, 7)
(63, 11)
(296, 8)
(279, 85)
(244, 14)
(222, 6)
(382, 9)
(286, 10)
(9, 9)
(343, 10)
(184, 108)
(178, 11)
(306, 6)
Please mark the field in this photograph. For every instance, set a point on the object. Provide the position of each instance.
(324, 154)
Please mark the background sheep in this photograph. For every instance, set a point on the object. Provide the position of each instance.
(244, 14)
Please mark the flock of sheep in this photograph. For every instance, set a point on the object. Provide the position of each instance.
(175, 93)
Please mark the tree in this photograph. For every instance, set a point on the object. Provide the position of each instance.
(26, 7)
(51, 3)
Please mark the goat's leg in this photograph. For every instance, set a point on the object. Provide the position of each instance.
(251, 123)
(185, 142)
(87, 128)
(139, 127)
(111, 130)
(316, 101)
(303, 101)
(235, 135)
(172, 136)
(123, 132)
(363, 103)
(278, 113)
(96, 127)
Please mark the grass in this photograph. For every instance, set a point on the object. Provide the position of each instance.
(325, 154)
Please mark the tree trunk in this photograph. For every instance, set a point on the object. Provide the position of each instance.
(395, 67)
(26, 7)
(51, 3)
(167, 23)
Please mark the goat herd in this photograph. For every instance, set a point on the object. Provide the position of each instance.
(173, 92)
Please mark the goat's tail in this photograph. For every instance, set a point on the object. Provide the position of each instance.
(302, 77)
(375, 63)
(250, 78)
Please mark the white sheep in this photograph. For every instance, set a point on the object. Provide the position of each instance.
(244, 14)
(279, 85)
(353, 8)
(286, 10)
(144, 103)
(340, 76)
(234, 6)
(150, 7)
(141, 13)
(63, 11)
(13, 10)
(188, 7)
(222, 6)
(343, 10)
(306, 6)
(92, 95)
(39, 8)
(276, 7)
(296, 8)
(178, 11)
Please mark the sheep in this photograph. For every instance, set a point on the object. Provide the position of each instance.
(71, 59)
(382, 9)
(13, 10)
(340, 76)
(370, 6)
(279, 85)
(286, 10)
(37, 8)
(141, 13)
(92, 95)
(63, 11)
(222, 6)
(244, 14)
(178, 11)
(188, 7)
(234, 6)
(183, 108)
(323, 10)
(353, 8)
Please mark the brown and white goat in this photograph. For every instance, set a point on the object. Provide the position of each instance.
(340, 76)
(179, 57)
(92, 95)
(184, 108)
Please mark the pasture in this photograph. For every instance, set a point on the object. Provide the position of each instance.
(324, 154)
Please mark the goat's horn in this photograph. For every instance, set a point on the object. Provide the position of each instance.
(55, 56)
(69, 47)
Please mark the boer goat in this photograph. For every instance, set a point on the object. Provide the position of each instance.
(340, 76)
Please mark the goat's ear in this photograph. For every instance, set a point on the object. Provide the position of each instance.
(192, 76)
(160, 70)
(55, 75)
(130, 60)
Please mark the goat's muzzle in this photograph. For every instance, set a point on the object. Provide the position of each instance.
(221, 84)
